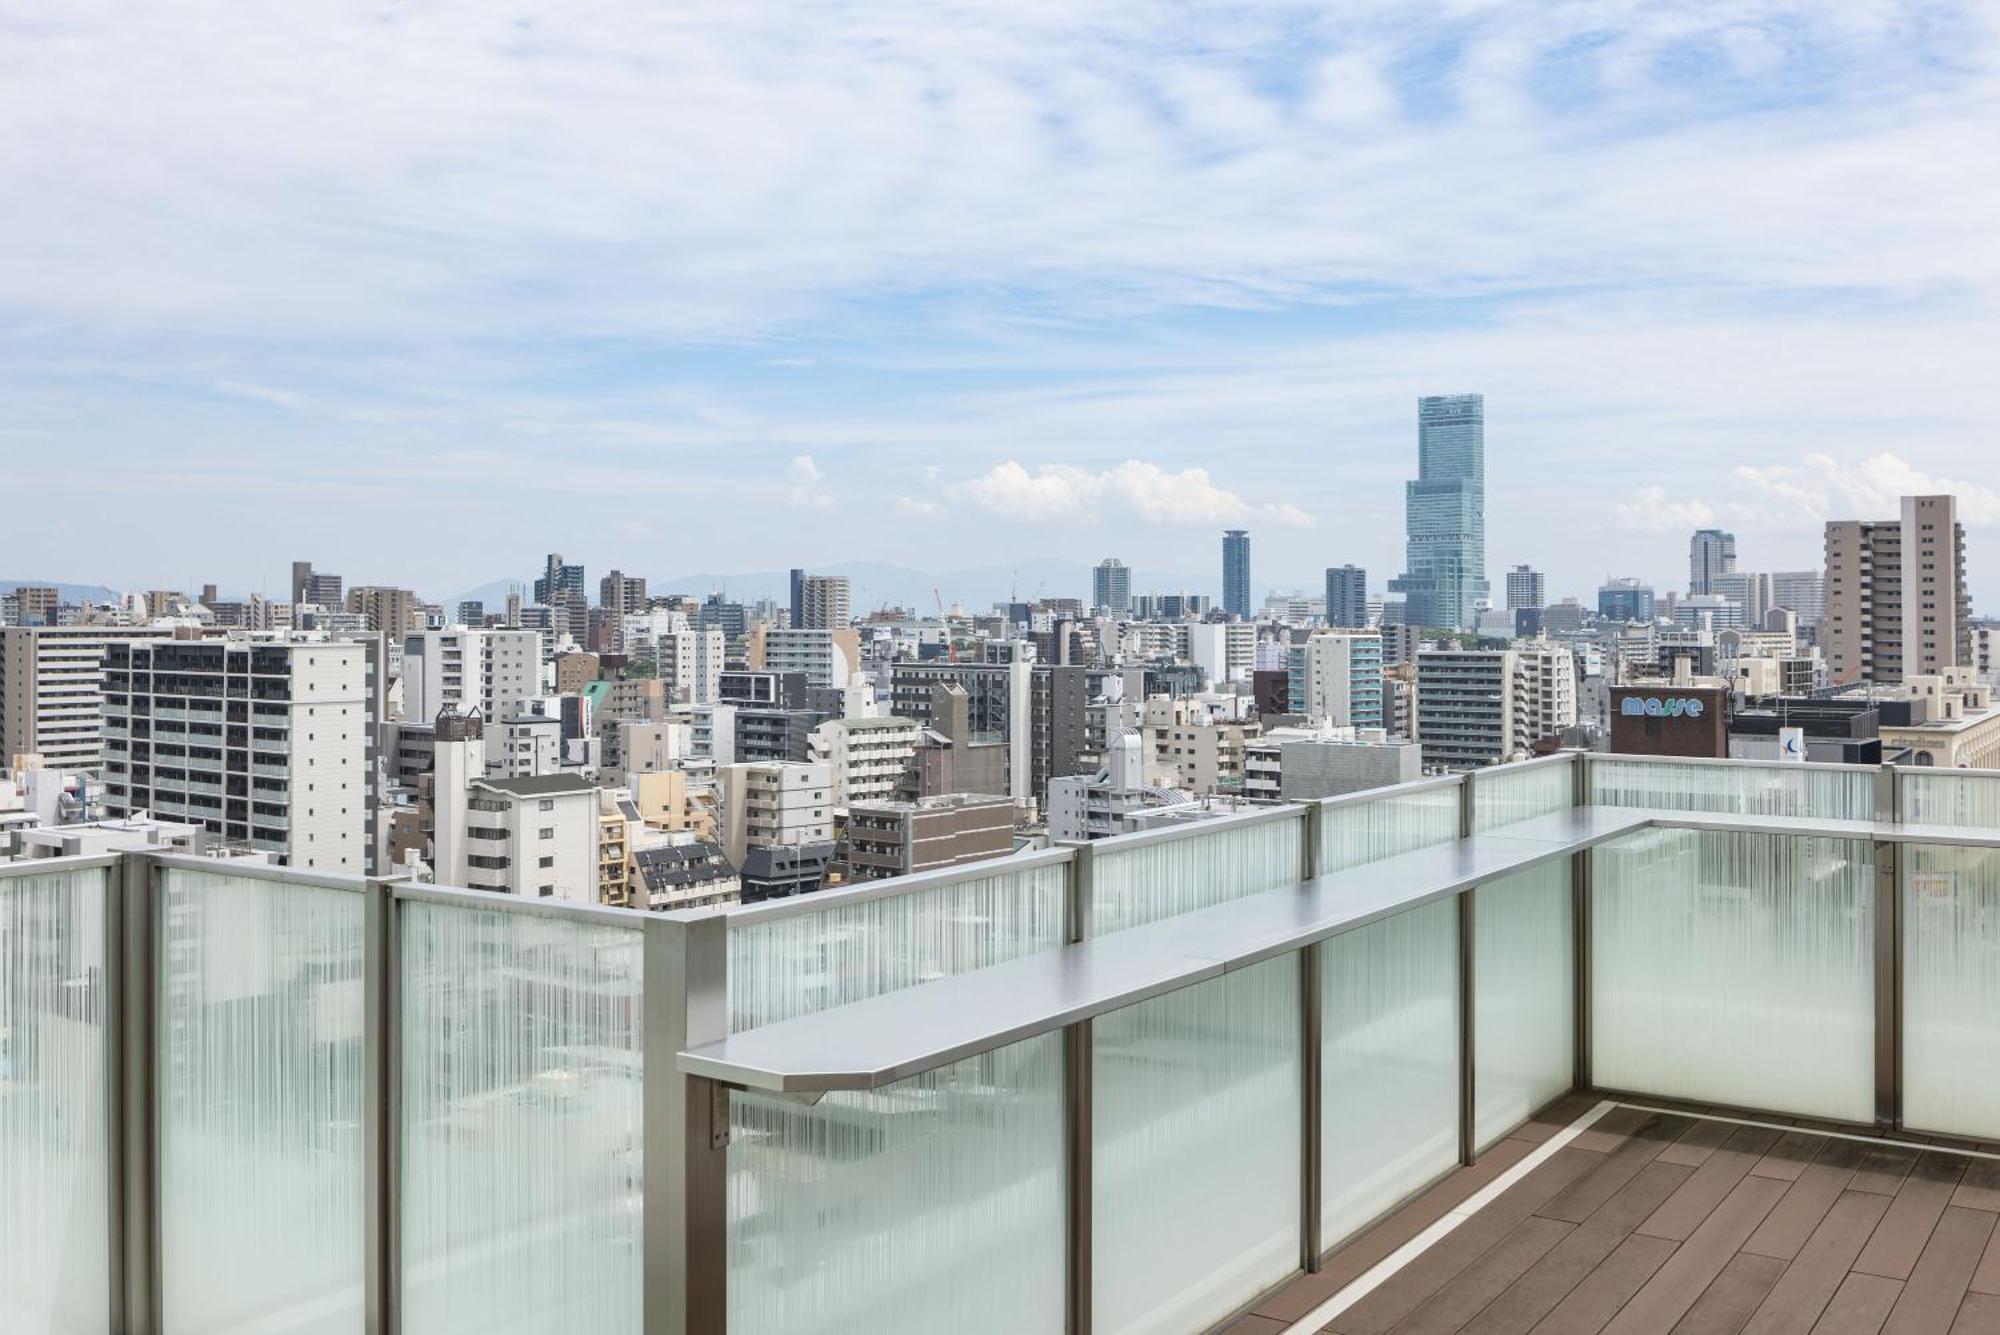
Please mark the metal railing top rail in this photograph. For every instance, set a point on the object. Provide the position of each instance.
(1727, 762)
(819, 901)
(1569, 757)
(882, 1039)
(1364, 796)
(353, 882)
(70, 862)
(1119, 843)
(603, 915)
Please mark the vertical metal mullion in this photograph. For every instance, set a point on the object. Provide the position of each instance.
(381, 1104)
(111, 1000)
(1888, 925)
(1079, 1056)
(1310, 1089)
(139, 1137)
(1580, 928)
(686, 1128)
(1467, 1109)
(1079, 1063)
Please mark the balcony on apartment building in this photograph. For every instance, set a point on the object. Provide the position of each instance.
(1579, 1044)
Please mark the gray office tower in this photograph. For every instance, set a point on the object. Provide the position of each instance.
(1346, 596)
(1446, 512)
(1711, 552)
(1236, 573)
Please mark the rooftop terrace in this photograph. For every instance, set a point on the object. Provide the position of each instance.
(1306, 1067)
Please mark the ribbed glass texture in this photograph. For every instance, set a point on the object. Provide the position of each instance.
(521, 1174)
(1196, 1120)
(260, 1047)
(54, 1276)
(1509, 793)
(1950, 797)
(936, 1204)
(1135, 885)
(848, 952)
(1951, 990)
(1523, 996)
(1751, 790)
(1735, 968)
(1388, 1064)
(1354, 833)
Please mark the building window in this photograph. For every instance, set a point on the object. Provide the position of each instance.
(548, 832)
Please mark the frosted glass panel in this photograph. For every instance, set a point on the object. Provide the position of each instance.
(1356, 832)
(844, 953)
(1197, 1151)
(1735, 969)
(1523, 996)
(1131, 886)
(1951, 990)
(1755, 790)
(1389, 1064)
(521, 1173)
(1509, 793)
(260, 1105)
(1950, 797)
(936, 1204)
(53, 1271)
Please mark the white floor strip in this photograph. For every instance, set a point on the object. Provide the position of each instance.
(1813, 1131)
(1382, 1271)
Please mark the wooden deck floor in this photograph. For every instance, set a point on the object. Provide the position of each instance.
(1670, 1224)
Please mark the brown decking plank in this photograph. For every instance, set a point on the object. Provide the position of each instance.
(1404, 1291)
(1640, 1147)
(1980, 1188)
(1667, 1296)
(1736, 1293)
(1374, 1245)
(1702, 1139)
(1859, 1307)
(1557, 1116)
(1905, 1230)
(1252, 1324)
(1572, 1261)
(1587, 1308)
(1447, 1310)
(1937, 1287)
(1713, 1182)
(1979, 1314)
(1793, 1220)
(1810, 1282)
(1788, 1158)
(1884, 1169)
(1986, 1278)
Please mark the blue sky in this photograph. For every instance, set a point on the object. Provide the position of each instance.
(426, 289)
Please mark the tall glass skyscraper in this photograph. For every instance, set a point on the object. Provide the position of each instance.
(1236, 572)
(1111, 587)
(1445, 507)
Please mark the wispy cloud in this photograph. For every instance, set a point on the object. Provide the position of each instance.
(283, 398)
(1058, 493)
(805, 484)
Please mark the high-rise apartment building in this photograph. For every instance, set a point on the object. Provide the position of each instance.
(823, 602)
(777, 825)
(52, 692)
(1445, 578)
(1480, 707)
(622, 593)
(393, 612)
(461, 670)
(1527, 589)
(1337, 676)
(1346, 596)
(1749, 589)
(1111, 588)
(1802, 593)
(1897, 605)
(1236, 573)
(1711, 552)
(310, 586)
(263, 744)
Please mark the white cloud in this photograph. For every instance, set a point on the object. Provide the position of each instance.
(283, 398)
(1650, 511)
(1827, 488)
(1144, 491)
(805, 484)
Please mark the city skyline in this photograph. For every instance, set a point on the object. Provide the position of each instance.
(876, 315)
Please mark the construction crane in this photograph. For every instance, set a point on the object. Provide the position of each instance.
(950, 644)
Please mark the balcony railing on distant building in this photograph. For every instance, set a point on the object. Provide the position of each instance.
(1125, 1086)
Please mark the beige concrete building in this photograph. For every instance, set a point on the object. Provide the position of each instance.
(1897, 605)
